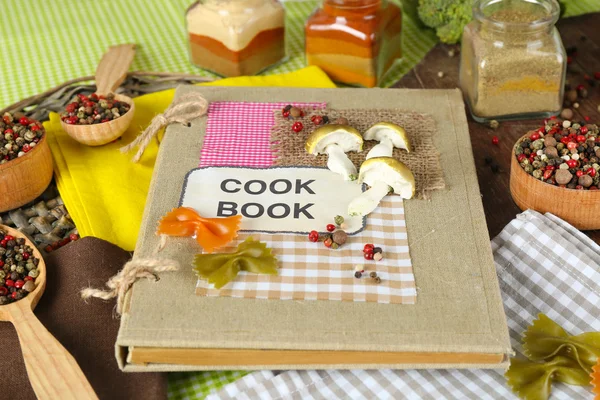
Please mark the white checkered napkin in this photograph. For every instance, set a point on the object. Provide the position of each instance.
(310, 271)
(544, 266)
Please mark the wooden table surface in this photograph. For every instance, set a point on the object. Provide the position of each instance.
(580, 32)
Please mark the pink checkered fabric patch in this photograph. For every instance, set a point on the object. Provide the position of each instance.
(239, 133)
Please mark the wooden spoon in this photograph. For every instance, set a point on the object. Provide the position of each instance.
(111, 72)
(53, 372)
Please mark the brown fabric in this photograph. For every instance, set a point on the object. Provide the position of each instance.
(87, 331)
(423, 161)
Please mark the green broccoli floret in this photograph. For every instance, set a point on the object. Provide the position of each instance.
(447, 17)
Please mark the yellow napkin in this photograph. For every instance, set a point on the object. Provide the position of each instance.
(103, 190)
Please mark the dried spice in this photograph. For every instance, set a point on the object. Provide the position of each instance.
(545, 339)
(210, 233)
(553, 355)
(524, 75)
(18, 268)
(93, 109)
(565, 154)
(18, 136)
(251, 256)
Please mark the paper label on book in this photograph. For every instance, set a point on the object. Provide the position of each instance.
(273, 200)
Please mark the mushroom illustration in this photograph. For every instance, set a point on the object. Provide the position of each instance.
(388, 135)
(335, 140)
(383, 175)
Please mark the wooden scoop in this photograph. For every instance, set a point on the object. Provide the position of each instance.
(53, 372)
(111, 72)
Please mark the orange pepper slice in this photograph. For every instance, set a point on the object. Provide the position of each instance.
(210, 233)
(596, 380)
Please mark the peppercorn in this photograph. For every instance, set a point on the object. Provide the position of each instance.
(93, 109)
(338, 220)
(571, 95)
(377, 256)
(339, 237)
(17, 139)
(325, 119)
(15, 256)
(377, 250)
(494, 124)
(373, 274)
(377, 279)
(341, 121)
(357, 274)
(297, 126)
(29, 286)
(495, 140)
(295, 112)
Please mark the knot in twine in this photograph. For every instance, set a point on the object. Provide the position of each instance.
(181, 111)
(131, 272)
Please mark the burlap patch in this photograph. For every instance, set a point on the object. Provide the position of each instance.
(424, 160)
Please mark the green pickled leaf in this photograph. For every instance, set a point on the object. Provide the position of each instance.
(220, 269)
(545, 339)
(532, 380)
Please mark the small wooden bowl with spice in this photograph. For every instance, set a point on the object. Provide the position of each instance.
(24, 178)
(104, 132)
(579, 206)
(103, 116)
(53, 372)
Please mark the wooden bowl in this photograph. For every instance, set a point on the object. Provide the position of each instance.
(106, 132)
(580, 208)
(25, 178)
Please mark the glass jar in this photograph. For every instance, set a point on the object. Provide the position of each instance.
(513, 61)
(354, 41)
(236, 37)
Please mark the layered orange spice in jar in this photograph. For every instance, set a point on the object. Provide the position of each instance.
(354, 41)
(236, 37)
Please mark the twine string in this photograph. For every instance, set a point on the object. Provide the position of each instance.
(119, 284)
(181, 111)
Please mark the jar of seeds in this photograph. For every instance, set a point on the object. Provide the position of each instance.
(513, 61)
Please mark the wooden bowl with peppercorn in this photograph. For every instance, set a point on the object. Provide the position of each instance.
(555, 169)
(26, 169)
(98, 120)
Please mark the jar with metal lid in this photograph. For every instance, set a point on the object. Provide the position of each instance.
(513, 61)
(236, 37)
(354, 41)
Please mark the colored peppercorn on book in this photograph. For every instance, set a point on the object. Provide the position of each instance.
(457, 319)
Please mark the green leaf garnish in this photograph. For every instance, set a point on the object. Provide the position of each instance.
(220, 269)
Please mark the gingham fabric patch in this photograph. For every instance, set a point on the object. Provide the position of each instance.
(544, 266)
(239, 133)
(310, 271)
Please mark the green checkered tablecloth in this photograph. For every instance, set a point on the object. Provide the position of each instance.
(46, 43)
(64, 39)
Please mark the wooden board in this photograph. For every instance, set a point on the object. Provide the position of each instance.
(498, 204)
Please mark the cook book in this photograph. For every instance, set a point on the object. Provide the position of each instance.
(454, 320)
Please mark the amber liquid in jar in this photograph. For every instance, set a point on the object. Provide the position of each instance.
(354, 41)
